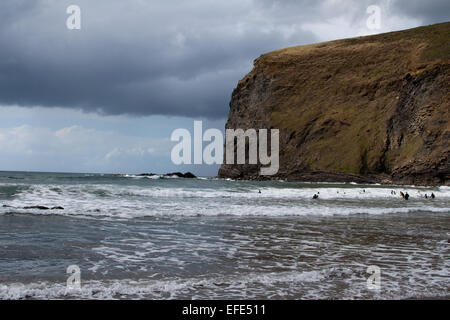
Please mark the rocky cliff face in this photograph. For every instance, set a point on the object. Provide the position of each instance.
(367, 109)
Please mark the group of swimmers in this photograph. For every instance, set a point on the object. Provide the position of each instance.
(406, 195)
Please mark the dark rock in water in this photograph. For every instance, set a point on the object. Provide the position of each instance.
(189, 175)
(58, 208)
(6, 206)
(178, 174)
(37, 207)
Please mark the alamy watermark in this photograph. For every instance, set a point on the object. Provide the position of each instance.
(73, 22)
(74, 280)
(373, 22)
(213, 153)
(374, 280)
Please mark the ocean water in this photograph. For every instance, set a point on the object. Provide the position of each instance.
(172, 238)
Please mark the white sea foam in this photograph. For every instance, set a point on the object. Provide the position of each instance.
(131, 201)
(212, 287)
(316, 284)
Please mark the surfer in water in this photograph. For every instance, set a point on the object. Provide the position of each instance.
(315, 196)
(433, 196)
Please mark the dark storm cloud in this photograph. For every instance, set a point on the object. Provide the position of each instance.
(151, 57)
(428, 11)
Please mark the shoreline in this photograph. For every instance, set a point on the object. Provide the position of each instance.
(331, 177)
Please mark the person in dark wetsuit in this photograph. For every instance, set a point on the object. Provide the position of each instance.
(315, 196)
(406, 196)
(433, 196)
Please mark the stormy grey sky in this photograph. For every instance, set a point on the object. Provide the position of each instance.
(138, 69)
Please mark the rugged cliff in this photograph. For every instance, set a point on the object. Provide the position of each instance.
(367, 109)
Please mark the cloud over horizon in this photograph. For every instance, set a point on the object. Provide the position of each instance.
(169, 58)
(78, 148)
